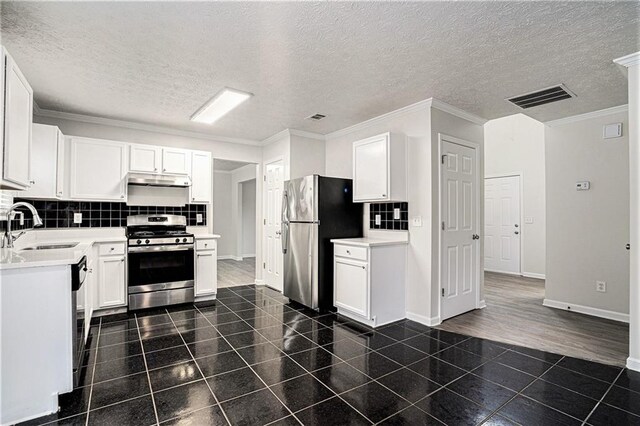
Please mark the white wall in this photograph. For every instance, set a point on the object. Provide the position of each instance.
(238, 176)
(248, 228)
(222, 221)
(306, 156)
(515, 144)
(420, 124)
(587, 230)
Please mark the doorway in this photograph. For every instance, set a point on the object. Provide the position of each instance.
(234, 219)
(502, 224)
(460, 247)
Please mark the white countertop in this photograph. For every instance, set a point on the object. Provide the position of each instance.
(205, 236)
(368, 242)
(17, 257)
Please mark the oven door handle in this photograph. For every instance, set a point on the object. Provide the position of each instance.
(151, 249)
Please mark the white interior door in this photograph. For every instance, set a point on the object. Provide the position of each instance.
(274, 185)
(502, 224)
(459, 256)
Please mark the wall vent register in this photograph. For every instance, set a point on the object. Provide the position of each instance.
(542, 97)
(316, 117)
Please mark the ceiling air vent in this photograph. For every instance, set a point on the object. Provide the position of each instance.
(316, 117)
(541, 97)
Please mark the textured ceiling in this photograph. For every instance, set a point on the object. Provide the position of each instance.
(227, 165)
(158, 62)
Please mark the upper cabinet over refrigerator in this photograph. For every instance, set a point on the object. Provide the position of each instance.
(380, 169)
(16, 117)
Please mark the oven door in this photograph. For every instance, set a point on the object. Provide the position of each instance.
(159, 268)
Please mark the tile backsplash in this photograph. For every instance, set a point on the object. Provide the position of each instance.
(385, 210)
(59, 214)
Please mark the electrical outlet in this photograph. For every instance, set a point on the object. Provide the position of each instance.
(396, 214)
(199, 218)
(601, 286)
(378, 219)
(416, 221)
(77, 218)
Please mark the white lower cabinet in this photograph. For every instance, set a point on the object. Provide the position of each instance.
(111, 286)
(206, 267)
(369, 282)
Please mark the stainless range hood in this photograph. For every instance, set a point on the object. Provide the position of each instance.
(150, 179)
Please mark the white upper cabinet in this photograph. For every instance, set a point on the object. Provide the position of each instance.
(47, 158)
(380, 169)
(176, 161)
(97, 169)
(16, 126)
(145, 158)
(201, 169)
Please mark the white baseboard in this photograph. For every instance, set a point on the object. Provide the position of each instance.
(260, 282)
(482, 304)
(588, 310)
(517, 274)
(633, 364)
(205, 298)
(430, 322)
(225, 257)
(248, 255)
(534, 275)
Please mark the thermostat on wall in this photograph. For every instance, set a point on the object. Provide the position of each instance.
(612, 131)
(583, 186)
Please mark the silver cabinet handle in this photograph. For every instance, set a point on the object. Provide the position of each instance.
(122, 196)
(349, 252)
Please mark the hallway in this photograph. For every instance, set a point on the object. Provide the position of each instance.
(232, 273)
(515, 315)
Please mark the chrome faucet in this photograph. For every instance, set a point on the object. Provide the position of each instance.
(9, 238)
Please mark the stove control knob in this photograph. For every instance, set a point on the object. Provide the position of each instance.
(146, 241)
(139, 241)
(184, 240)
(177, 240)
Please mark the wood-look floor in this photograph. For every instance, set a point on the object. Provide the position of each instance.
(515, 315)
(233, 273)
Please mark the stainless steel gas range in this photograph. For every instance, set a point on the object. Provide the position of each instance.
(160, 261)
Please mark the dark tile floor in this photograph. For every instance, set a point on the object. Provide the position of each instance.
(251, 358)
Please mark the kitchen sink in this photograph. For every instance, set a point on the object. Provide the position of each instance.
(51, 246)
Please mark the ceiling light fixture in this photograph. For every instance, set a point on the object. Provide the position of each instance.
(223, 102)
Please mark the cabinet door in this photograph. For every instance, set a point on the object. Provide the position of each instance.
(175, 161)
(201, 177)
(97, 170)
(206, 272)
(89, 292)
(60, 170)
(371, 169)
(111, 282)
(351, 286)
(18, 115)
(43, 162)
(144, 158)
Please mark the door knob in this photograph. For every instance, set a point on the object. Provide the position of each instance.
(516, 225)
(476, 237)
(516, 232)
(628, 246)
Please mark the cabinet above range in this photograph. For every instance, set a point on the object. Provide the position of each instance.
(79, 168)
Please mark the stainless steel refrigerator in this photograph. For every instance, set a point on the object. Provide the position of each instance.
(315, 209)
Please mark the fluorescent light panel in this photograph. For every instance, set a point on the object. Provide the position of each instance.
(223, 102)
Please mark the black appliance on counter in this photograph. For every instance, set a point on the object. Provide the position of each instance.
(160, 259)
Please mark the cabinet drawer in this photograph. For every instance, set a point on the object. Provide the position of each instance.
(111, 248)
(208, 244)
(351, 252)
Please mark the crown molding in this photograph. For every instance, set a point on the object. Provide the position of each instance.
(443, 106)
(137, 126)
(422, 105)
(588, 115)
(305, 134)
(282, 134)
(630, 60)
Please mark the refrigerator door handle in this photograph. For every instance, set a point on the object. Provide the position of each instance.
(284, 223)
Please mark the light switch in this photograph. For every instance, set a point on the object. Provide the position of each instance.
(583, 186)
(416, 221)
(396, 213)
(199, 218)
(77, 218)
(378, 219)
(528, 220)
